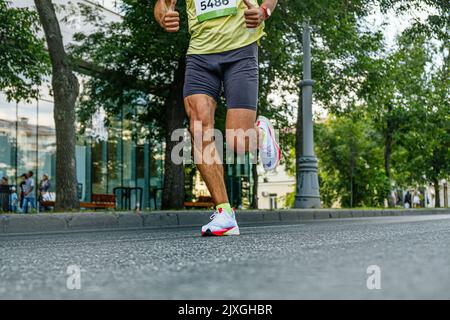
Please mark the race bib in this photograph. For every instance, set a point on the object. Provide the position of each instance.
(211, 9)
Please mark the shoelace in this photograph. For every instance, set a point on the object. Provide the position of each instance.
(213, 215)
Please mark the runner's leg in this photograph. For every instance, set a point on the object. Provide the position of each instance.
(241, 119)
(241, 77)
(201, 108)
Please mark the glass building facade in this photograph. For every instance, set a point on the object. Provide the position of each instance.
(239, 183)
(126, 159)
(27, 138)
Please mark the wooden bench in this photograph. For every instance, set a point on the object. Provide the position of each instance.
(202, 202)
(99, 201)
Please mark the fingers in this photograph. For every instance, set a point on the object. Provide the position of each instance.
(249, 4)
(252, 25)
(172, 15)
(172, 27)
(253, 18)
(173, 4)
(172, 21)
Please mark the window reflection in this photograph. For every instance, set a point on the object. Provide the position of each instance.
(46, 141)
(127, 159)
(115, 155)
(83, 175)
(99, 169)
(156, 165)
(27, 137)
(7, 139)
(128, 151)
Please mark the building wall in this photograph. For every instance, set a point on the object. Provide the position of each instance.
(273, 188)
(444, 192)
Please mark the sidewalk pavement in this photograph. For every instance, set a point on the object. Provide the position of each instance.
(11, 224)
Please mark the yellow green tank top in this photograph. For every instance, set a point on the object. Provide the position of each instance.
(215, 31)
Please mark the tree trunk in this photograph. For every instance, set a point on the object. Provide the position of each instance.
(65, 91)
(173, 193)
(437, 196)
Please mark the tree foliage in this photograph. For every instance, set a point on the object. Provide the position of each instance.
(351, 162)
(23, 60)
(404, 97)
(426, 142)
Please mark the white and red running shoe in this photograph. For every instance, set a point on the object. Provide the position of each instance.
(223, 224)
(269, 148)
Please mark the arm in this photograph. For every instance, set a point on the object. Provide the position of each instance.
(31, 188)
(166, 16)
(255, 16)
(159, 11)
(270, 4)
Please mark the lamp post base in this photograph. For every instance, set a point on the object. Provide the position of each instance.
(308, 195)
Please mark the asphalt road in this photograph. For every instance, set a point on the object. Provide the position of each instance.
(317, 259)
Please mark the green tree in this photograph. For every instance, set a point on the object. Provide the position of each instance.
(436, 25)
(351, 162)
(427, 134)
(65, 93)
(23, 58)
(392, 81)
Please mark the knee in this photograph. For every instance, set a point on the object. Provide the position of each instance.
(200, 119)
(200, 112)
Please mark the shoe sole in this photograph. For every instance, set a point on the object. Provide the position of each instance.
(222, 233)
(274, 141)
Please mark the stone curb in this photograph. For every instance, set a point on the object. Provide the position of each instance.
(90, 221)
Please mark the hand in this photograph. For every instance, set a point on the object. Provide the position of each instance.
(171, 19)
(253, 16)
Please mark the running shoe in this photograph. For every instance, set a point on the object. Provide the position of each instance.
(223, 224)
(269, 148)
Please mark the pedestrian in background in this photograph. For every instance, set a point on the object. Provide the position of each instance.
(29, 190)
(22, 191)
(416, 199)
(13, 200)
(44, 189)
(44, 184)
(408, 200)
(4, 194)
